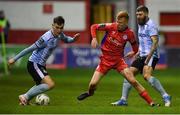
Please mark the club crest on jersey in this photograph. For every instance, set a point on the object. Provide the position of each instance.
(124, 37)
(113, 32)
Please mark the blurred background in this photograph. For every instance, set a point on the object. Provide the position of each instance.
(29, 19)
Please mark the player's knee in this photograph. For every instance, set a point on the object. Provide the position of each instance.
(130, 78)
(133, 82)
(51, 85)
(146, 76)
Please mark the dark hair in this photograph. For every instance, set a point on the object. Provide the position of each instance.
(142, 8)
(59, 20)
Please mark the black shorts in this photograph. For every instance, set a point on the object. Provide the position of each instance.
(139, 63)
(38, 72)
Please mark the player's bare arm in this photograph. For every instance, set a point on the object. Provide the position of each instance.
(94, 43)
(130, 54)
(134, 48)
(137, 54)
(153, 48)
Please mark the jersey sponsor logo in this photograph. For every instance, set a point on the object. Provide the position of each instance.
(146, 31)
(114, 41)
(142, 35)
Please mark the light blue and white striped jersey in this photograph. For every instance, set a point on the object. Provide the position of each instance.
(144, 35)
(44, 47)
(46, 44)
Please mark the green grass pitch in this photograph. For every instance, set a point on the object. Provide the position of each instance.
(72, 82)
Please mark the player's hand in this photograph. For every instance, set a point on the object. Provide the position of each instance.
(129, 55)
(76, 36)
(11, 62)
(136, 55)
(147, 59)
(94, 43)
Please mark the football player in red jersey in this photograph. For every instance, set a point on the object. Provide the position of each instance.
(112, 47)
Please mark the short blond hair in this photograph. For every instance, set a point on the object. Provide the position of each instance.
(122, 14)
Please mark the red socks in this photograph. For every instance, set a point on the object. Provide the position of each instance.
(146, 97)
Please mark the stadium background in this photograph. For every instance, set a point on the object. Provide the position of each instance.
(31, 18)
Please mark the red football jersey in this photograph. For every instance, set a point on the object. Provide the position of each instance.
(114, 41)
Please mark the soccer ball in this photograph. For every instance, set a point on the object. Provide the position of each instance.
(42, 99)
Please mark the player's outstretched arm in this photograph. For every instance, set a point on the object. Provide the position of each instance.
(69, 39)
(76, 36)
(21, 54)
